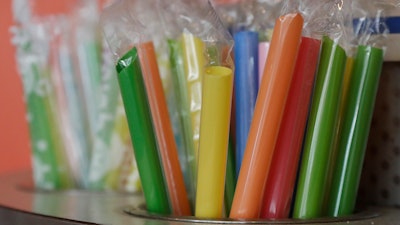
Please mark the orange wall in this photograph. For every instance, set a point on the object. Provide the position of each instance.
(13, 129)
(14, 144)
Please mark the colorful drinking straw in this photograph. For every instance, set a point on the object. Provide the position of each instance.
(267, 116)
(178, 78)
(50, 170)
(79, 134)
(263, 48)
(142, 134)
(230, 180)
(343, 97)
(88, 54)
(282, 176)
(163, 130)
(246, 87)
(193, 61)
(357, 118)
(214, 137)
(321, 128)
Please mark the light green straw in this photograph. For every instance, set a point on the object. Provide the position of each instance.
(182, 101)
(49, 166)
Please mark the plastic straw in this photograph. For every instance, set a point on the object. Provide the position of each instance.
(63, 115)
(267, 116)
(79, 133)
(346, 82)
(358, 112)
(128, 179)
(263, 48)
(214, 137)
(246, 87)
(182, 101)
(49, 167)
(345, 87)
(321, 128)
(163, 129)
(103, 174)
(142, 133)
(89, 57)
(230, 181)
(111, 149)
(282, 176)
(194, 61)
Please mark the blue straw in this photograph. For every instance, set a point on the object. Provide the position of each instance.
(246, 87)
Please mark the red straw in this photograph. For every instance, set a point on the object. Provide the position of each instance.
(268, 113)
(281, 179)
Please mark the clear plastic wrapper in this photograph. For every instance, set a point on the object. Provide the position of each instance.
(281, 180)
(72, 116)
(164, 177)
(260, 16)
(252, 33)
(229, 12)
(200, 40)
(79, 102)
(356, 42)
(252, 15)
(369, 24)
(194, 35)
(32, 38)
(370, 33)
(268, 113)
(318, 153)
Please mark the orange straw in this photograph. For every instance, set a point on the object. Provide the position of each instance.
(164, 134)
(268, 113)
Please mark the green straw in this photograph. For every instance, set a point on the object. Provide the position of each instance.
(49, 166)
(317, 151)
(182, 101)
(230, 178)
(355, 129)
(142, 134)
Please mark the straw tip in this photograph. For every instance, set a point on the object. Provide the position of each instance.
(296, 16)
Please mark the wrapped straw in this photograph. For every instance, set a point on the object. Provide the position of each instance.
(370, 35)
(33, 42)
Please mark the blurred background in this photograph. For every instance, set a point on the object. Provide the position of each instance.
(14, 143)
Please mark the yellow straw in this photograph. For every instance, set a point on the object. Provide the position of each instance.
(214, 136)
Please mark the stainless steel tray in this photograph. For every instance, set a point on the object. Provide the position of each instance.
(21, 204)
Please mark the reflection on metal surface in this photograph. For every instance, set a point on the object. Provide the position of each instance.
(140, 211)
(31, 206)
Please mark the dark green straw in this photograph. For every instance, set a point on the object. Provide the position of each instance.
(137, 110)
(230, 178)
(358, 112)
(321, 127)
